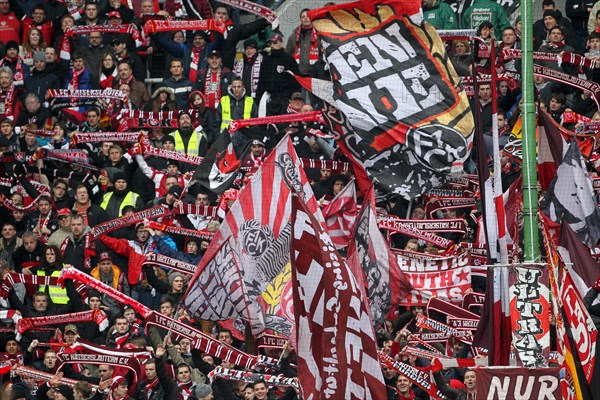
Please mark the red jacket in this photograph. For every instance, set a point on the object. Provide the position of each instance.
(134, 251)
(46, 28)
(10, 28)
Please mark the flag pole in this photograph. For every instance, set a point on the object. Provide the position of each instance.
(530, 198)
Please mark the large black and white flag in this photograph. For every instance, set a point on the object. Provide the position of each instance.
(570, 197)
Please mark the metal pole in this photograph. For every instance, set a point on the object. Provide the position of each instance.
(530, 198)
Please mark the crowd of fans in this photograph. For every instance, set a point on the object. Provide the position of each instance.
(50, 205)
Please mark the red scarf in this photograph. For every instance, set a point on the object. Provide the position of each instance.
(74, 83)
(107, 81)
(8, 102)
(195, 62)
(185, 389)
(313, 51)
(19, 75)
(150, 387)
(212, 88)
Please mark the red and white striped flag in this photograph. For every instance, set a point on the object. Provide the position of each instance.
(336, 348)
(252, 246)
(340, 216)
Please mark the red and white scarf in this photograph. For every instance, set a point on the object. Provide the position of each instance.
(204, 235)
(19, 75)
(195, 62)
(97, 316)
(212, 88)
(310, 116)
(155, 25)
(106, 81)
(74, 83)
(8, 98)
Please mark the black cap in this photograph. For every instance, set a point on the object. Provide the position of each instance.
(120, 175)
(12, 45)
(214, 53)
(551, 13)
(175, 190)
(251, 43)
(168, 138)
(118, 40)
(65, 391)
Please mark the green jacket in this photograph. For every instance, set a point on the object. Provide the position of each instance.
(485, 10)
(441, 16)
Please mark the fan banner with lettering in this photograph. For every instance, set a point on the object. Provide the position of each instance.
(410, 118)
(518, 383)
(448, 278)
(529, 310)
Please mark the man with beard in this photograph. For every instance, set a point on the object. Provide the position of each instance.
(74, 245)
(187, 139)
(114, 202)
(44, 220)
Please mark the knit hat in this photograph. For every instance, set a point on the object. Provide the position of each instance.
(65, 391)
(175, 190)
(20, 390)
(551, 13)
(118, 380)
(39, 56)
(114, 14)
(173, 275)
(276, 38)
(120, 175)
(251, 43)
(12, 45)
(202, 390)
(168, 138)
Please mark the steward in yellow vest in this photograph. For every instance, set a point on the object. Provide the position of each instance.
(114, 202)
(187, 139)
(235, 106)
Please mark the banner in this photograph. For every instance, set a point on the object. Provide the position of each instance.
(448, 278)
(371, 260)
(335, 340)
(529, 312)
(411, 120)
(252, 246)
(168, 262)
(518, 383)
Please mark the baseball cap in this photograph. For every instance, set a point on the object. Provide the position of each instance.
(104, 256)
(71, 328)
(114, 14)
(63, 212)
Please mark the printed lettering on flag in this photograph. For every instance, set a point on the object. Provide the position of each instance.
(252, 243)
(336, 348)
(529, 310)
(448, 278)
(394, 82)
(518, 383)
(340, 215)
